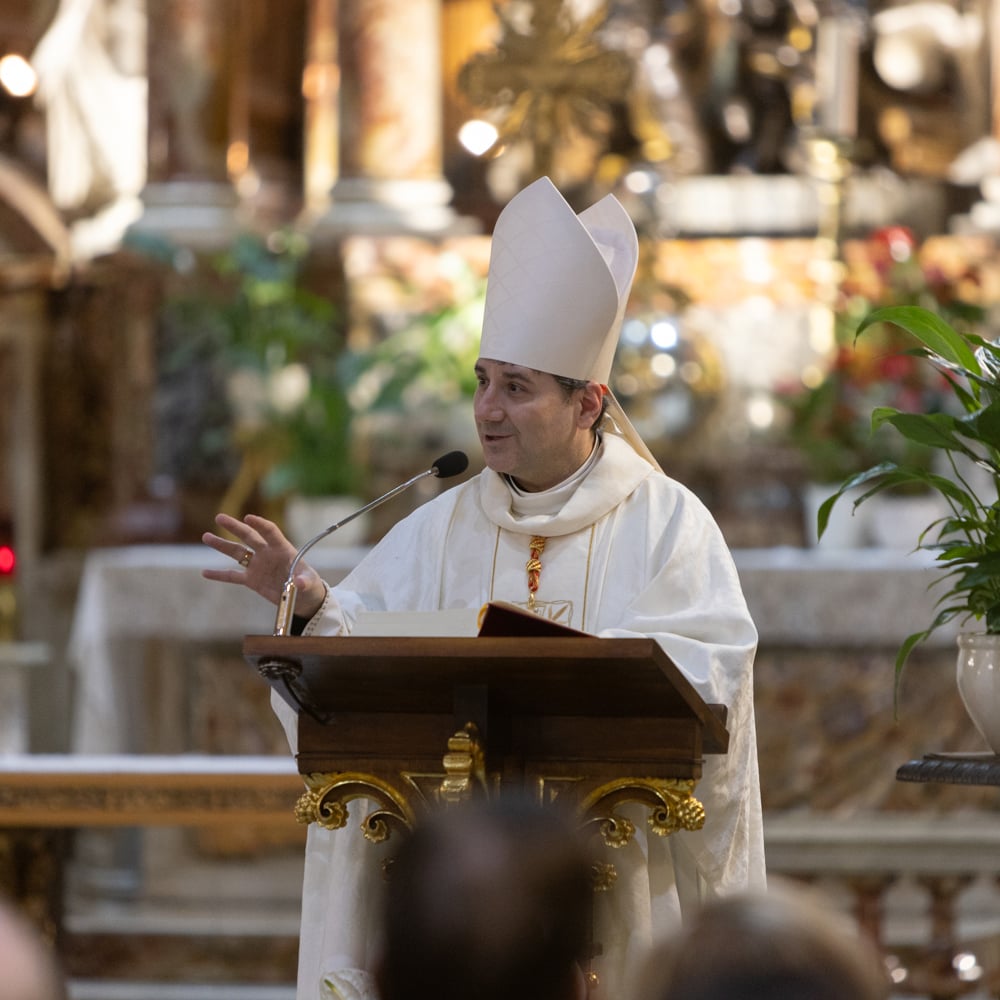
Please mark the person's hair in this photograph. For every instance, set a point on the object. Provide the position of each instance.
(783, 944)
(487, 901)
(571, 385)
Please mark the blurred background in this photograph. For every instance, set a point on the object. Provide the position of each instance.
(243, 247)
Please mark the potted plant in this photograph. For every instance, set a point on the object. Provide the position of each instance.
(412, 383)
(828, 417)
(274, 351)
(965, 438)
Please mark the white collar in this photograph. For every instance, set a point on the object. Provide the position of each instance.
(553, 499)
(612, 472)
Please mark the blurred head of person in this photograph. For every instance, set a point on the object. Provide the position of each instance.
(29, 969)
(488, 900)
(787, 943)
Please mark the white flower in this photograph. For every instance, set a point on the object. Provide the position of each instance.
(247, 397)
(287, 388)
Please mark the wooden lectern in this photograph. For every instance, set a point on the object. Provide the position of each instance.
(413, 722)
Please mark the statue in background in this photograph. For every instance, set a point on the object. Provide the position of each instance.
(91, 66)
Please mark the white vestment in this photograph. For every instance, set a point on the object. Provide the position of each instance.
(629, 552)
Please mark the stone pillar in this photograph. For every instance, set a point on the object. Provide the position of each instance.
(320, 91)
(993, 35)
(192, 55)
(391, 177)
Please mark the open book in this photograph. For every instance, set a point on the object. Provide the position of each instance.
(497, 618)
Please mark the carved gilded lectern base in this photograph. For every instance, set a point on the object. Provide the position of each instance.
(670, 801)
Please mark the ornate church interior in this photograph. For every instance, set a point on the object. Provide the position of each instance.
(243, 259)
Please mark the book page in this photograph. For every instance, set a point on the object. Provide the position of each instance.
(454, 622)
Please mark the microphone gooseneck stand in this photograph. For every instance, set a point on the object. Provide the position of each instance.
(452, 464)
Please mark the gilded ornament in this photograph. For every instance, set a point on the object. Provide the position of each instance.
(325, 803)
(670, 801)
(549, 83)
(604, 876)
(464, 766)
(679, 814)
(617, 831)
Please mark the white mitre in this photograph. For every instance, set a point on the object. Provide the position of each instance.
(557, 289)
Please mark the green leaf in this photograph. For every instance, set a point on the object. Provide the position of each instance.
(936, 430)
(930, 329)
(901, 657)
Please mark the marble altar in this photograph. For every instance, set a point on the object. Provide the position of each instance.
(143, 604)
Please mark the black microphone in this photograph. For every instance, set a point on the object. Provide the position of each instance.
(452, 464)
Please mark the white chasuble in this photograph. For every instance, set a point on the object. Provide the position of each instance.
(628, 552)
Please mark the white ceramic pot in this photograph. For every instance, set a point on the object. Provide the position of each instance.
(979, 683)
(896, 522)
(847, 527)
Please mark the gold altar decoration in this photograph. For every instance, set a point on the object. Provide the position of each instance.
(550, 83)
(180, 795)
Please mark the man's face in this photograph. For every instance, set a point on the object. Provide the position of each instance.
(527, 425)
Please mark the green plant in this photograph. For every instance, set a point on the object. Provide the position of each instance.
(429, 361)
(966, 438)
(275, 351)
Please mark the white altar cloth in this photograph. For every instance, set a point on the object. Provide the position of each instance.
(135, 598)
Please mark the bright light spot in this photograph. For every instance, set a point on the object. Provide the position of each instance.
(897, 971)
(237, 158)
(17, 76)
(812, 376)
(663, 334)
(967, 966)
(662, 365)
(477, 136)
(758, 306)
(249, 183)
(900, 248)
(760, 412)
(638, 182)
(821, 329)
(319, 79)
(901, 62)
(7, 560)
(634, 331)
(756, 262)
(801, 38)
(737, 120)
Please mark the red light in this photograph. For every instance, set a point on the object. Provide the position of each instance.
(7, 560)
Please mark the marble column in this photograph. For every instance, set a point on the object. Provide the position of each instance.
(192, 59)
(320, 91)
(390, 160)
(993, 36)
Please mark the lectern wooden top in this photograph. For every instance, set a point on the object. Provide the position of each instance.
(537, 676)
